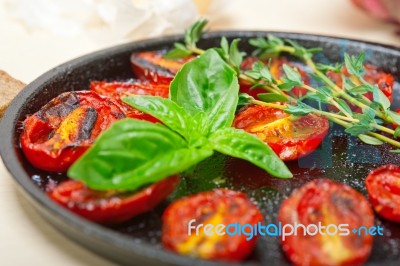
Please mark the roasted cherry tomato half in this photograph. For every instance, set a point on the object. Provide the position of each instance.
(152, 66)
(108, 207)
(335, 209)
(117, 90)
(385, 81)
(383, 185)
(290, 137)
(215, 209)
(276, 68)
(62, 130)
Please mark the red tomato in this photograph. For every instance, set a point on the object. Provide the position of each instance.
(62, 130)
(276, 70)
(221, 206)
(383, 185)
(385, 81)
(328, 203)
(154, 67)
(117, 90)
(109, 207)
(290, 137)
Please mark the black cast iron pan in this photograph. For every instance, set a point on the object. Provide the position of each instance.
(137, 242)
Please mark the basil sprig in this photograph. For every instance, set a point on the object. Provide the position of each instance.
(196, 119)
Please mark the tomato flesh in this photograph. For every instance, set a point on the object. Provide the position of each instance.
(152, 66)
(118, 90)
(329, 203)
(62, 130)
(221, 206)
(290, 137)
(383, 185)
(110, 207)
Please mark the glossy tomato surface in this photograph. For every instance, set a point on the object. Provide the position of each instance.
(335, 206)
(118, 90)
(61, 131)
(383, 186)
(290, 137)
(110, 207)
(152, 66)
(220, 206)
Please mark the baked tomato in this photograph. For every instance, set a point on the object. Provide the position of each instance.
(276, 68)
(385, 81)
(329, 211)
(109, 207)
(117, 90)
(289, 136)
(383, 185)
(190, 225)
(152, 66)
(62, 130)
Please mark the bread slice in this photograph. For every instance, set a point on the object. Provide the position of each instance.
(9, 88)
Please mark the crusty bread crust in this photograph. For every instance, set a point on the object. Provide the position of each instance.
(9, 88)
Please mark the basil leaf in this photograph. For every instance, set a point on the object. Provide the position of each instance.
(397, 132)
(272, 97)
(292, 74)
(370, 140)
(133, 153)
(179, 52)
(165, 110)
(239, 144)
(207, 84)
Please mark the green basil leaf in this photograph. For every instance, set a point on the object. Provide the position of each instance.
(237, 143)
(358, 129)
(381, 98)
(235, 56)
(225, 46)
(165, 110)
(193, 34)
(244, 99)
(370, 140)
(133, 153)
(207, 84)
(272, 97)
(361, 89)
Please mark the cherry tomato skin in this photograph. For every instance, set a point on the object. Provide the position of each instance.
(152, 66)
(62, 130)
(221, 206)
(111, 207)
(276, 68)
(383, 186)
(290, 138)
(326, 202)
(118, 90)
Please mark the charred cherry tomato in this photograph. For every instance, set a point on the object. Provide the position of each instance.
(331, 206)
(109, 207)
(276, 68)
(383, 185)
(290, 137)
(117, 90)
(221, 206)
(154, 67)
(385, 81)
(63, 129)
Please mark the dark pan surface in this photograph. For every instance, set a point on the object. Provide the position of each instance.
(137, 242)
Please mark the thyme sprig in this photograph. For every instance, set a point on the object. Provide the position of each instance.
(366, 123)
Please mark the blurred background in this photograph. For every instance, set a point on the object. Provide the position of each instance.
(37, 35)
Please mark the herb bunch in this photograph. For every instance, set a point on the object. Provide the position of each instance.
(368, 122)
